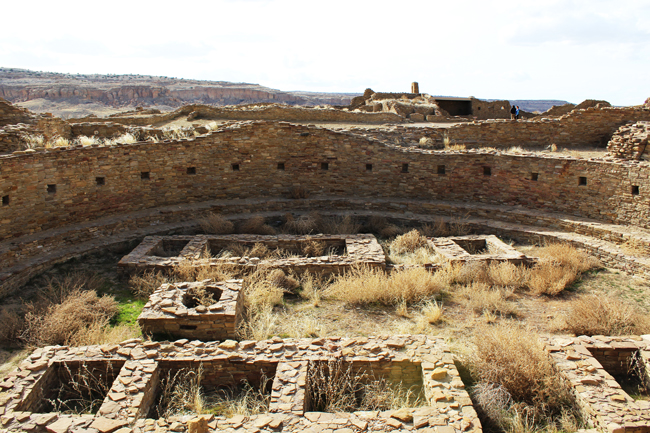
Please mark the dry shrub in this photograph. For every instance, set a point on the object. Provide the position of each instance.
(61, 322)
(337, 225)
(200, 270)
(261, 290)
(256, 226)
(335, 386)
(313, 248)
(390, 231)
(98, 333)
(298, 192)
(380, 226)
(313, 285)
(506, 274)
(215, 224)
(484, 299)
(11, 324)
(201, 296)
(363, 285)
(259, 250)
(420, 256)
(303, 225)
(548, 278)
(513, 360)
(408, 243)
(605, 315)
(143, 285)
(432, 312)
(441, 227)
(278, 278)
(568, 256)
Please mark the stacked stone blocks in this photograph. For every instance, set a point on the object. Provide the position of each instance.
(133, 394)
(171, 311)
(589, 364)
(165, 252)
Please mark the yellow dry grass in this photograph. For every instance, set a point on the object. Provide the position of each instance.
(604, 315)
(215, 224)
(364, 285)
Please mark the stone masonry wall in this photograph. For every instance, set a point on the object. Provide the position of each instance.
(262, 112)
(76, 185)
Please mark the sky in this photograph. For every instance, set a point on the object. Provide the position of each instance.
(546, 49)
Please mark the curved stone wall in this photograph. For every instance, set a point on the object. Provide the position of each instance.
(61, 202)
(52, 188)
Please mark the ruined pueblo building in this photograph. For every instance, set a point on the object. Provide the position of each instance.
(272, 160)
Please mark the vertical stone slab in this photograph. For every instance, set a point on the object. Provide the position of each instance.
(289, 388)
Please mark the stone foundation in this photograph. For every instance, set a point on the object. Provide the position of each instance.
(165, 252)
(478, 248)
(172, 310)
(142, 367)
(590, 364)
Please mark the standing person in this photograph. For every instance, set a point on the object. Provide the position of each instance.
(513, 112)
(517, 113)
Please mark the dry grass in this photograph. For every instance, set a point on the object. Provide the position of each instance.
(58, 142)
(52, 324)
(517, 376)
(83, 389)
(303, 225)
(547, 278)
(313, 248)
(86, 141)
(408, 243)
(432, 312)
(560, 266)
(299, 192)
(605, 315)
(339, 225)
(256, 225)
(215, 224)
(456, 227)
(363, 285)
(143, 285)
(336, 386)
(484, 299)
(32, 141)
(201, 269)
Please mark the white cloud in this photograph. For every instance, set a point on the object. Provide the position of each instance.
(556, 49)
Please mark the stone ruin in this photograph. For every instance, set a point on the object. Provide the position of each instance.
(131, 377)
(47, 389)
(178, 310)
(420, 107)
(630, 141)
(593, 366)
(478, 248)
(345, 251)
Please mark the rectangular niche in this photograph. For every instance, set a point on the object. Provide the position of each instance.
(275, 247)
(486, 248)
(216, 382)
(626, 367)
(73, 387)
(298, 253)
(338, 385)
(168, 248)
(197, 311)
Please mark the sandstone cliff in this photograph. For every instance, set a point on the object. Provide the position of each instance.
(18, 85)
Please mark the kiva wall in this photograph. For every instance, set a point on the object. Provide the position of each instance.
(53, 188)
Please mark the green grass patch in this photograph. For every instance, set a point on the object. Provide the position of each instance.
(129, 310)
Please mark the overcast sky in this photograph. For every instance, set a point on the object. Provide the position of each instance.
(544, 49)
